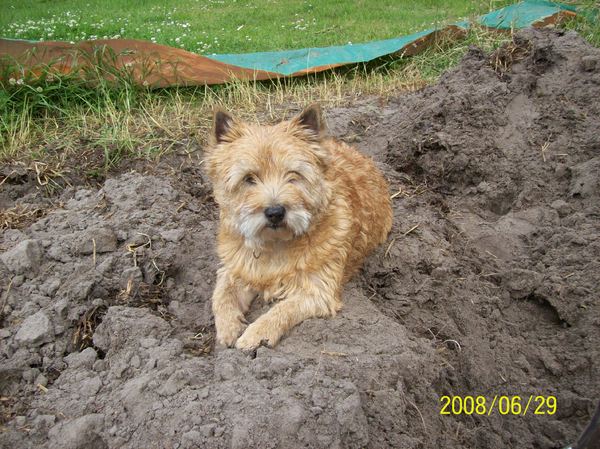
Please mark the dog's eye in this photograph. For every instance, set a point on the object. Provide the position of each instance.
(249, 179)
(294, 177)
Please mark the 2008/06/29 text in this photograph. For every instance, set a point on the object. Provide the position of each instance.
(505, 405)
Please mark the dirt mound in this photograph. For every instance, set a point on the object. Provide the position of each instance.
(488, 286)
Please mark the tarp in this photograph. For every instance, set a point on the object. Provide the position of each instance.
(294, 62)
(527, 13)
(306, 60)
(158, 65)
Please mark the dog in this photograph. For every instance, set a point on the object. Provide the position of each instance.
(299, 212)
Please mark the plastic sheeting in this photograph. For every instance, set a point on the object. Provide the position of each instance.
(294, 62)
(157, 65)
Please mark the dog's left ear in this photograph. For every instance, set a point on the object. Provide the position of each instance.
(311, 119)
(223, 123)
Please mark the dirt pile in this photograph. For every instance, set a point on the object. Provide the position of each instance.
(488, 286)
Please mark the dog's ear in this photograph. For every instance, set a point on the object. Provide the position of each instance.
(223, 123)
(311, 119)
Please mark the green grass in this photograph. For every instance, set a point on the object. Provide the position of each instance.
(232, 26)
(587, 22)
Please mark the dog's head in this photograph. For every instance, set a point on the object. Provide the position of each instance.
(269, 181)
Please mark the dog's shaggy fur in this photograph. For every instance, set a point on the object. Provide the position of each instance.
(299, 213)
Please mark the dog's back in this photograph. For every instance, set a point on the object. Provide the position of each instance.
(357, 179)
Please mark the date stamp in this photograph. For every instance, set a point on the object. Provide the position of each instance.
(504, 405)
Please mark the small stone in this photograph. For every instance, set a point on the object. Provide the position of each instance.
(61, 307)
(79, 433)
(171, 386)
(439, 273)
(57, 252)
(173, 235)
(561, 170)
(90, 387)
(550, 363)
(203, 394)
(99, 365)
(151, 364)
(18, 280)
(24, 258)
(44, 421)
(41, 380)
(149, 342)
(483, 187)
(98, 302)
(562, 207)
(135, 361)
(157, 406)
(316, 410)
(520, 283)
(30, 374)
(584, 180)
(191, 438)
(101, 240)
(50, 287)
(208, 430)
(590, 63)
(106, 265)
(131, 278)
(35, 330)
(4, 333)
(83, 359)
(80, 290)
(20, 421)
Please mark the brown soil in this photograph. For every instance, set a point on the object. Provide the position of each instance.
(486, 287)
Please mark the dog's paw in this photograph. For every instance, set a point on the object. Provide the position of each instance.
(228, 330)
(257, 334)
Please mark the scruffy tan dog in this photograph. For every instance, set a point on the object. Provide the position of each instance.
(299, 213)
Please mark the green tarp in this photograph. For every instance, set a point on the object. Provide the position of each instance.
(287, 62)
(522, 14)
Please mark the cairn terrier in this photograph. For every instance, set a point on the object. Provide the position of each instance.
(299, 212)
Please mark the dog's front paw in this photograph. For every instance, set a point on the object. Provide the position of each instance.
(261, 332)
(229, 329)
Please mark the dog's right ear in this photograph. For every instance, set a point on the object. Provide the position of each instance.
(311, 120)
(223, 123)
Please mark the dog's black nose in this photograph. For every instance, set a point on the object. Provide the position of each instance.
(275, 214)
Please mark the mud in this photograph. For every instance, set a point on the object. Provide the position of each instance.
(487, 286)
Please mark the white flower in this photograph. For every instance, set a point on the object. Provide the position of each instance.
(39, 89)
(20, 81)
(12, 81)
